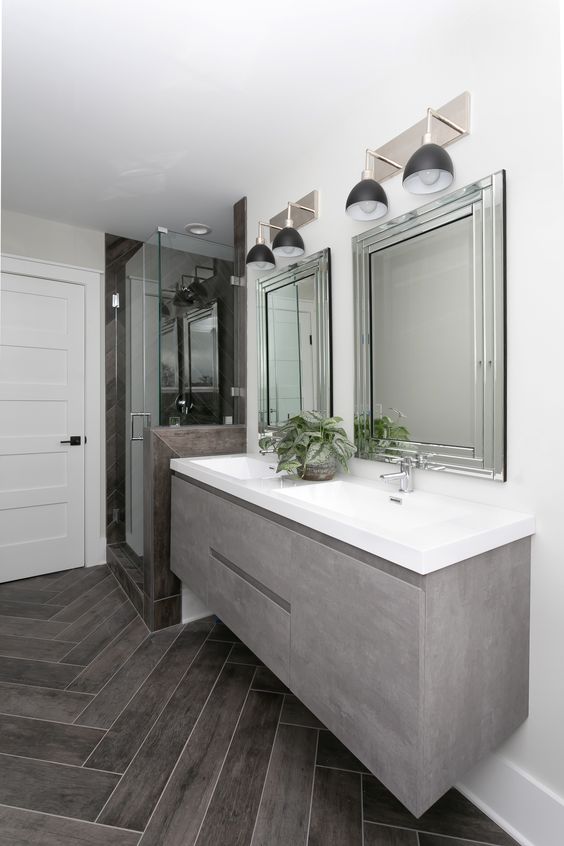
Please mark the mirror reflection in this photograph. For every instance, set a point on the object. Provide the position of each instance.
(294, 340)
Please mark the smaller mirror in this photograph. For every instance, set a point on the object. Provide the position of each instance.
(294, 331)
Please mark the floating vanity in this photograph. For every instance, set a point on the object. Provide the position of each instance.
(403, 626)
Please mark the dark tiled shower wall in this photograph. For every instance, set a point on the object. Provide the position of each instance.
(118, 252)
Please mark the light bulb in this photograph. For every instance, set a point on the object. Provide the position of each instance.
(261, 265)
(429, 177)
(288, 251)
(368, 206)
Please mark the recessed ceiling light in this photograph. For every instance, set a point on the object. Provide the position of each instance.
(197, 229)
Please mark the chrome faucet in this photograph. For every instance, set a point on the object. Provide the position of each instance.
(404, 476)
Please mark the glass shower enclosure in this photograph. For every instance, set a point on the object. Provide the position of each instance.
(180, 342)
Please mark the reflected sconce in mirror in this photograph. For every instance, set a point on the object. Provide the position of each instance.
(288, 242)
(427, 170)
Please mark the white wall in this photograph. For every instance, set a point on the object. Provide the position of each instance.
(60, 244)
(507, 54)
(47, 240)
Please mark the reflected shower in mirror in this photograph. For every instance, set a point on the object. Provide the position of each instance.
(429, 292)
(294, 340)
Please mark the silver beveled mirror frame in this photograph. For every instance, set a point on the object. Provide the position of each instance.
(485, 200)
(318, 266)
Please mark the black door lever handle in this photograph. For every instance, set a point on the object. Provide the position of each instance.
(74, 440)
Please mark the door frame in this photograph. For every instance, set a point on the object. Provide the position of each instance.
(94, 389)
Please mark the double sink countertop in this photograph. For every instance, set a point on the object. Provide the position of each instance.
(423, 532)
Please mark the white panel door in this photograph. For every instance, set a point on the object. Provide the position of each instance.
(41, 404)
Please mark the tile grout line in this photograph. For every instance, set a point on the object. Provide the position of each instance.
(186, 742)
(312, 789)
(87, 666)
(99, 626)
(89, 611)
(161, 712)
(212, 794)
(340, 769)
(267, 770)
(42, 720)
(119, 670)
(73, 819)
(55, 763)
(83, 576)
(454, 837)
(42, 661)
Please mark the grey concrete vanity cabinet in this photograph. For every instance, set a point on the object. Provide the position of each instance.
(420, 676)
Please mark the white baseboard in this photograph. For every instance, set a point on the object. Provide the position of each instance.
(527, 810)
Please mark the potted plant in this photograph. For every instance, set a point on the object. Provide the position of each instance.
(310, 445)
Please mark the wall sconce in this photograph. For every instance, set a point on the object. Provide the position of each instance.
(288, 242)
(368, 200)
(427, 170)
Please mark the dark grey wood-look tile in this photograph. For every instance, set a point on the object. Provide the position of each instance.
(87, 600)
(85, 651)
(32, 828)
(181, 808)
(284, 809)
(42, 702)
(221, 632)
(133, 801)
(31, 628)
(439, 840)
(241, 654)
(332, 753)
(452, 815)
(27, 610)
(336, 810)
(42, 673)
(124, 738)
(266, 680)
(92, 618)
(296, 714)
(22, 592)
(68, 578)
(33, 738)
(235, 802)
(380, 835)
(36, 648)
(114, 696)
(78, 586)
(47, 581)
(109, 661)
(54, 788)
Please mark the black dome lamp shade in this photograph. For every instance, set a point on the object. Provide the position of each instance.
(260, 256)
(430, 168)
(368, 200)
(288, 242)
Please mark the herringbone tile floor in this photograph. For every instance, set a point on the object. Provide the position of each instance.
(112, 736)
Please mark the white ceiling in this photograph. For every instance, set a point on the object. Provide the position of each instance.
(122, 115)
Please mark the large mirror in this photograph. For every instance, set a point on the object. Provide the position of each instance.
(430, 334)
(294, 331)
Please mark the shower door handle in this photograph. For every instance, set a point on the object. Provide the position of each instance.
(135, 414)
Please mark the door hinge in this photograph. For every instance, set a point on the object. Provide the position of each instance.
(162, 229)
(115, 300)
(237, 392)
(238, 281)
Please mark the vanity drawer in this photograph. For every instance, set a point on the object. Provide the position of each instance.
(258, 546)
(191, 508)
(261, 622)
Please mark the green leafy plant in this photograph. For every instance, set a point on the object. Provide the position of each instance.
(307, 440)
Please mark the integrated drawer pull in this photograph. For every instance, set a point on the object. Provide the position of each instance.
(279, 600)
